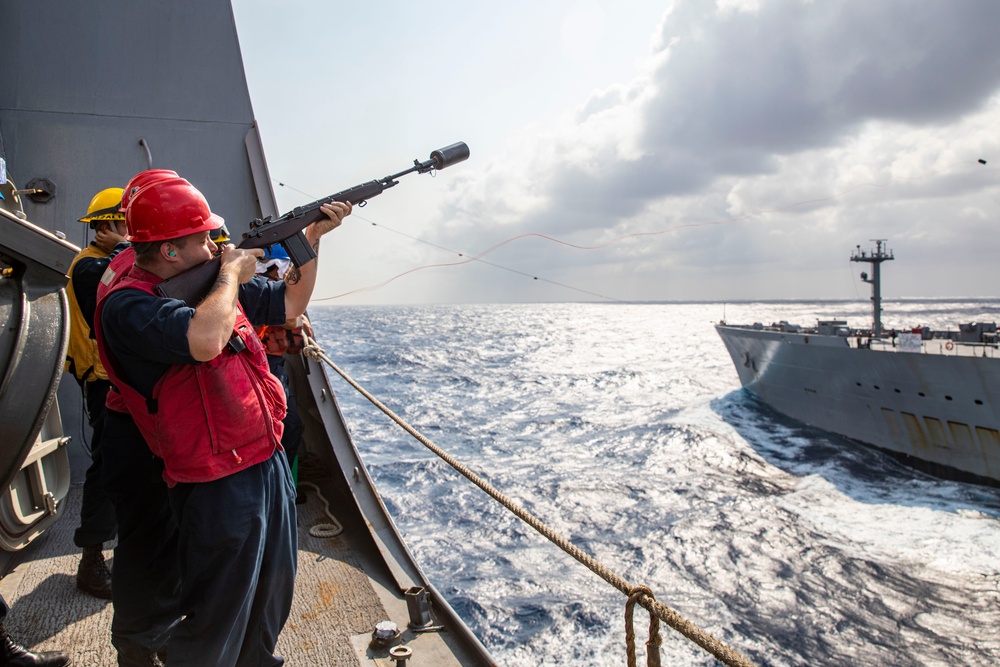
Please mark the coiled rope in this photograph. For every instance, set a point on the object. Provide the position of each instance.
(636, 594)
(324, 530)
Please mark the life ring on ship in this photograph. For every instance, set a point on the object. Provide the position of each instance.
(949, 346)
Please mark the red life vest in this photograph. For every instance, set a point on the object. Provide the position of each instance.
(209, 420)
(117, 269)
(274, 339)
(279, 341)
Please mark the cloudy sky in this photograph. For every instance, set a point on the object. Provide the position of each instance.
(686, 150)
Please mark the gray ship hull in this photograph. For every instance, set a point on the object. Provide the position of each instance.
(938, 409)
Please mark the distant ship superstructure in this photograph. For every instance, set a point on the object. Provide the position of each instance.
(932, 397)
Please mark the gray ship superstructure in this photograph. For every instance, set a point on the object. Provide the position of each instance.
(932, 397)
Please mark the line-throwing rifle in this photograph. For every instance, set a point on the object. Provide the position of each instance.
(192, 285)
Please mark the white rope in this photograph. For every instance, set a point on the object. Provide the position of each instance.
(322, 530)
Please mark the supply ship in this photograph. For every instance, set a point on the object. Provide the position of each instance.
(930, 397)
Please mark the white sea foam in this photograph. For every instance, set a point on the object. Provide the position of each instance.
(945, 536)
(622, 427)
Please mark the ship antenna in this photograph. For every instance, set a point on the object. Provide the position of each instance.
(875, 258)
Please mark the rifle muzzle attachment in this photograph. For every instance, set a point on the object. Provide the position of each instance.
(449, 155)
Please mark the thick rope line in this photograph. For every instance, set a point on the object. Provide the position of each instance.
(721, 651)
(653, 643)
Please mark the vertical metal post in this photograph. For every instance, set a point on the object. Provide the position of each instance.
(875, 258)
(418, 607)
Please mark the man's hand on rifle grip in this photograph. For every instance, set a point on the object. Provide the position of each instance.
(240, 263)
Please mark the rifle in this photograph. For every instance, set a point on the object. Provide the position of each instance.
(192, 285)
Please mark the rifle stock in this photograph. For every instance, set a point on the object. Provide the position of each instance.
(192, 285)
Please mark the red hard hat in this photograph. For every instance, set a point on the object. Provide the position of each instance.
(141, 179)
(168, 209)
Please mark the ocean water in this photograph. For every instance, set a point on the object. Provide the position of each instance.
(624, 428)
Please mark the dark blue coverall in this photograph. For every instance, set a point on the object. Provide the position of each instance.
(236, 536)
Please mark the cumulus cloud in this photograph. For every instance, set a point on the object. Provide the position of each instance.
(848, 115)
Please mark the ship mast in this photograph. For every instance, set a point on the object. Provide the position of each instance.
(875, 258)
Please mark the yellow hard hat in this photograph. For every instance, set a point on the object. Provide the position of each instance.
(105, 205)
(220, 235)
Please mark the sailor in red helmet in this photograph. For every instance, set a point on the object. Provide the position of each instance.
(196, 382)
(146, 576)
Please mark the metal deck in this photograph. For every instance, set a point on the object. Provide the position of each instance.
(339, 597)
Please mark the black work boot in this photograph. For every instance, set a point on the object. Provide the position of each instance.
(12, 655)
(92, 576)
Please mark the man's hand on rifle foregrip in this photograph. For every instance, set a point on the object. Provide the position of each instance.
(335, 212)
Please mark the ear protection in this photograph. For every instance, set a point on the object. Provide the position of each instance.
(172, 253)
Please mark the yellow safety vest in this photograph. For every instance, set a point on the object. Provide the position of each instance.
(81, 354)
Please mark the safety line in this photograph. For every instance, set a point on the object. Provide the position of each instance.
(477, 258)
(471, 258)
(617, 239)
(636, 594)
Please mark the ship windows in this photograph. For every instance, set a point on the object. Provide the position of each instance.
(978, 402)
(921, 394)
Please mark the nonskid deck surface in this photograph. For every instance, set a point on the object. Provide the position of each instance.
(334, 599)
